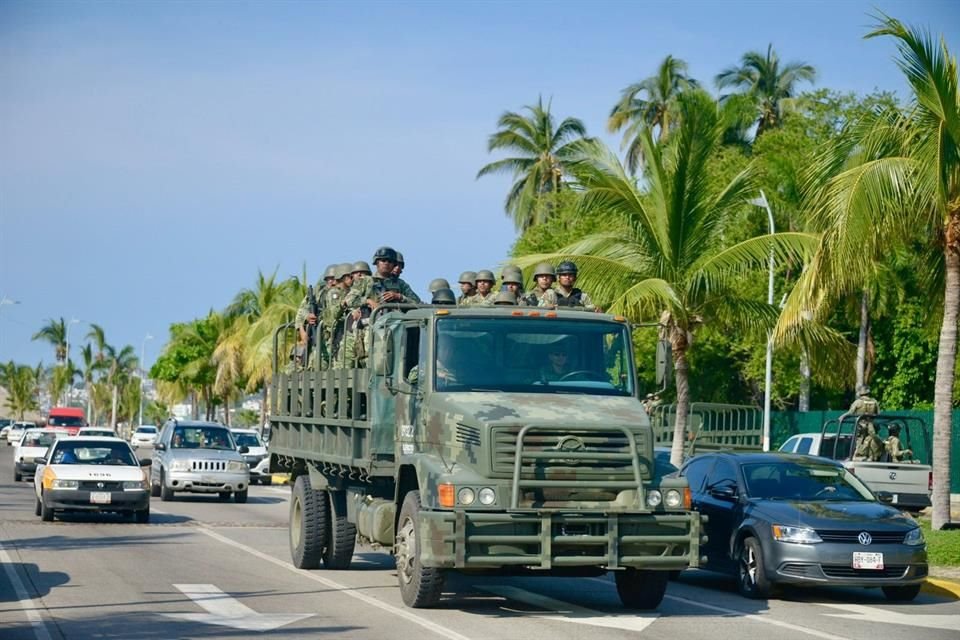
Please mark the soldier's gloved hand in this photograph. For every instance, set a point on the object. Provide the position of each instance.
(391, 296)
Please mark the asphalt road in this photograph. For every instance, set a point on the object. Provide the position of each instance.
(206, 569)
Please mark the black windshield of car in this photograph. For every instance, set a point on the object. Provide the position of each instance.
(65, 421)
(102, 453)
(533, 355)
(247, 440)
(201, 438)
(146, 430)
(791, 481)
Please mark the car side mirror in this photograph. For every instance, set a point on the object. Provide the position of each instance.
(160, 446)
(145, 462)
(40, 460)
(244, 449)
(724, 492)
(885, 497)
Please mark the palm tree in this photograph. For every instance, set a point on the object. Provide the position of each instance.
(649, 103)
(670, 261)
(90, 366)
(99, 338)
(894, 179)
(61, 380)
(542, 152)
(23, 387)
(54, 332)
(119, 366)
(762, 77)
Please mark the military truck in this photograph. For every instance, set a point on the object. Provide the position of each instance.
(461, 446)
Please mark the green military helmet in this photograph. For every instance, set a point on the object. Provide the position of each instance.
(443, 296)
(438, 283)
(545, 269)
(399, 258)
(566, 267)
(385, 253)
(343, 269)
(469, 277)
(361, 266)
(330, 271)
(511, 275)
(485, 274)
(864, 390)
(505, 297)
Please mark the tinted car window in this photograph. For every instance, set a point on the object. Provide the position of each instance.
(247, 440)
(695, 472)
(804, 446)
(804, 482)
(201, 438)
(102, 453)
(789, 445)
(723, 473)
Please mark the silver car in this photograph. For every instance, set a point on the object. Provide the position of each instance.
(198, 457)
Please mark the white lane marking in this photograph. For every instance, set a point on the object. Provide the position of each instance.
(225, 610)
(438, 629)
(567, 612)
(27, 603)
(876, 614)
(765, 618)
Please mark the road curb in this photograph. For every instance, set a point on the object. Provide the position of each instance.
(942, 587)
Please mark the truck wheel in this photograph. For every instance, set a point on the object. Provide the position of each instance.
(641, 588)
(751, 579)
(166, 493)
(904, 593)
(308, 524)
(17, 476)
(420, 586)
(342, 536)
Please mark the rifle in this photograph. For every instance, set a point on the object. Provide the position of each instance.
(311, 328)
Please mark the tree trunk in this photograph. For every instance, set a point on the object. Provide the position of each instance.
(804, 403)
(943, 383)
(862, 342)
(87, 415)
(682, 369)
(194, 405)
(113, 409)
(226, 408)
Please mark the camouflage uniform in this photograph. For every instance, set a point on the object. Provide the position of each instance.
(868, 443)
(467, 278)
(536, 297)
(480, 300)
(894, 447)
(569, 296)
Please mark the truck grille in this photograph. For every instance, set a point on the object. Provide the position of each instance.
(851, 537)
(561, 441)
(208, 465)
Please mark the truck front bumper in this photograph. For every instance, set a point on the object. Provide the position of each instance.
(552, 540)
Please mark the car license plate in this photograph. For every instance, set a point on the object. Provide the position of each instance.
(868, 561)
(100, 497)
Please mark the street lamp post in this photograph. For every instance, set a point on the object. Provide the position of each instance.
(143, 350)
(66, 339)
(762, 202)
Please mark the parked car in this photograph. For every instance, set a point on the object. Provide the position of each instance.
(198, 457)
(255, 456)
(16, 431)
(145, 435)
(794, 519)
(84, 473)
(33, 444)
(104, 432)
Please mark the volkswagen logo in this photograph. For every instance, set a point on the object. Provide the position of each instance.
(99, 485)
(864, 538)
(893, 475)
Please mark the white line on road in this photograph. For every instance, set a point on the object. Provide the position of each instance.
(340, 588)
(26, 602)
(875, 614)
(567, 612)
(226, 611)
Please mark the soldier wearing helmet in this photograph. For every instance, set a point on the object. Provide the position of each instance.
(544, 276)
(443, 296)
(567, 295)
(512, 279)
(468, 286)
(893, 445)
(304, 316)
(361, 269)
(438, 283)
(485, 294)
(505, 297)
(334, 308)
(868, 443)
(399, 266)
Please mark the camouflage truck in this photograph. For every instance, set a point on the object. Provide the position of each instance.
(458, 450)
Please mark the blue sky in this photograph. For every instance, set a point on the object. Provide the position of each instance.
(154, 156)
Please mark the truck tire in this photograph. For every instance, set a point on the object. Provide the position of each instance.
(166, 493)
(641, 588)
(420, 586)
(308, 524)
(17, 476)
(342, 536)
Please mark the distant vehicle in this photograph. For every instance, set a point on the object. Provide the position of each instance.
(16, 431)
(198, 457)
(146, 434)
(776, 518)
(255, 456)
(33, 444)
(70, 418)
(98, 431)
(91, 474)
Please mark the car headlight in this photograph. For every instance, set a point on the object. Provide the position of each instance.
(237, 465)
(133, 485)
(914, 537)
(66, 484)
(654, 498)
(487, 496)
(798, 535)
(673, 499)
(466, 496)
(180, 465)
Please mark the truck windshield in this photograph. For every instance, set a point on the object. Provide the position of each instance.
(65, 421)
(531, 355)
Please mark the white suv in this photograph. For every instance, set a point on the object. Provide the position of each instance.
(256, 455)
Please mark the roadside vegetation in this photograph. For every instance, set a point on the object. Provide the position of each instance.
(943, 547)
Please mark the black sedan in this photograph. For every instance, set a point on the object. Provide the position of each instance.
(779, 519)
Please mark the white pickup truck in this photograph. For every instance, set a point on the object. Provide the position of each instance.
(908, 482)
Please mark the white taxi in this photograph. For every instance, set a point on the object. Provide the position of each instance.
(86, 473)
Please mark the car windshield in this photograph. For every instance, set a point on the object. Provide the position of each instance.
(96, 432)
(805, 482)
(201, 438)
(146, 429)
(65, 421)
(102, 453)
(533, 355)
(247, 440)
(38, 439)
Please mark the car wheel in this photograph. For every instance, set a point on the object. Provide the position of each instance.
(166, 493)
(904, 593)
(223, 496)
(420, 586)
(46, 513)
(37, 508)
(342, 537)
(154, 490)
(308, 524)
(751, 579)
(17, 476)
(240, 496)
(641, 588)
(143, 516)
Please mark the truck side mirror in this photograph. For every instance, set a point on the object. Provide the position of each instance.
(664, 364)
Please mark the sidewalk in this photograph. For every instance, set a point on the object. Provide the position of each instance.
(945, 581)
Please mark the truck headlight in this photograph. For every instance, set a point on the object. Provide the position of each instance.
(66, 484)
(914, 537)
(487, 496)
(654, 498)
(180, 465)
(237, 465)
(134, 485)
(797, 535)
(466, 496)
(673, 499)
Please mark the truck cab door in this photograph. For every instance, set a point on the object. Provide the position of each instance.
(410, 360)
